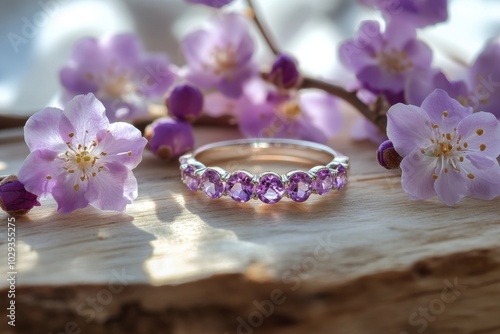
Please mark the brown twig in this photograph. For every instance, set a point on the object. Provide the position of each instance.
(263, 31)
(379, 119)
(11, 121)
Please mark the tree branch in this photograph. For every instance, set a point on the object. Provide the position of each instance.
(11, 121)
(267, 37)
(379, 119)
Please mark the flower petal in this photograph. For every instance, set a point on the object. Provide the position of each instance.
(48, 129)
(486, 182)
(195, 47)
(86, 114)
(322, 112)
(421, 53)
(112, 189)
(479, 129)
(408, 127)
(484, 79)
(480, 161)
(78, 81)
(439, 102)
(69, 193)
(451, 186)
(417, 175)
(231, 87)
(122, 143)
(422, 82)
(377, 79)
(40, 171)
(86, 55)
(153, 75)
(123, 51)
(239, 35)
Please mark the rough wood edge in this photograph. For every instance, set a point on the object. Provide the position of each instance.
(379, 303)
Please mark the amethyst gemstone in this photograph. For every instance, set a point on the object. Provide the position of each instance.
(340, 179)
(299, 188)
(270, 189)
(211, 184)
(323, 184)
(240, 187)
(190, 179)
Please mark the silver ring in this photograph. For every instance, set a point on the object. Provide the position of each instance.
(330, 173)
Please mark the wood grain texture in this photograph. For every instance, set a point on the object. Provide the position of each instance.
(364, 260)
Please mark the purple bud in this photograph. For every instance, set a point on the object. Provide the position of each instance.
(185, 103)
(168, 138)
(387, 156)
(14, 198)
(211, 3)
(284, 72)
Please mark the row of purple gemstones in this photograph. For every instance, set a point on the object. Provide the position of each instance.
(269, 188)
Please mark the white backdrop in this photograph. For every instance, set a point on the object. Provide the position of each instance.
(36, 36)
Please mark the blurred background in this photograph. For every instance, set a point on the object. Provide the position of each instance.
(37, 36)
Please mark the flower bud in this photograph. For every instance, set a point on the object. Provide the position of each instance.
(14, 198)
(387, 156)
(185, 103)
(284, 72)
(168, 138)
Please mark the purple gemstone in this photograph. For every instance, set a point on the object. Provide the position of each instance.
(299, 188)
(270, 189)
(323, 184)
(190, 179)
(340, 179)
(240, 187)
(211, 184)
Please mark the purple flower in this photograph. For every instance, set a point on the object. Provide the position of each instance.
(284, 72)
(14, 198)
(168, 138)
(185, 103)
(446, 149)
(418, 13)
(119, 73)
(479, 90)
(220, 55)
(211, 3)
(423, 82)
(382, 62)
(484, 79)
(311, 115)
(79, 158)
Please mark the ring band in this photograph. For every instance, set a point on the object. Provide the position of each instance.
(269, 187)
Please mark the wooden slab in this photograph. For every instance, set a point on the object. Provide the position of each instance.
(365, 260)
